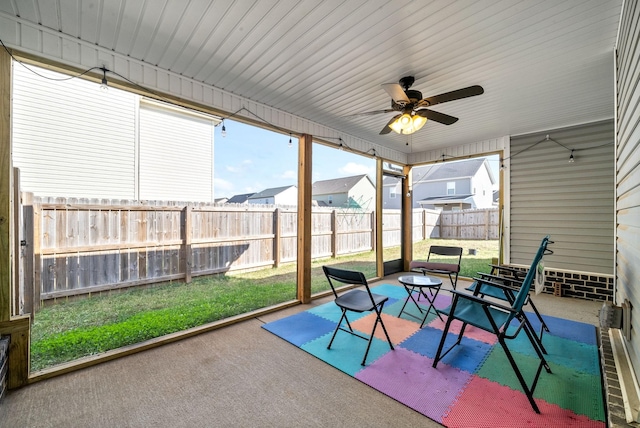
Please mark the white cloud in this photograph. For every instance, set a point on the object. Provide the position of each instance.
(353, 168)
(290, 174)
(241, 168)
(221, 185)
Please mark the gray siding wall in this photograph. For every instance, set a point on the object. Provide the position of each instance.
(628, 171)
(439, 188)
(572, 202)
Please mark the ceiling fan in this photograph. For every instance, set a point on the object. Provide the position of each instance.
(413, 113)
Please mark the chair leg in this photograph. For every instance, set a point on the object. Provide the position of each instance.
(528, 392)
(383, 327)
(544, 325)
(375, 325)
(536, 340)
(445, 331)
(344, 316)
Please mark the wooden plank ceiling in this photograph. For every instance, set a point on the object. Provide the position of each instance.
(543, 64)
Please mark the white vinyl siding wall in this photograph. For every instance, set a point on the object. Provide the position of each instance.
(628, 172)
(71, 139)
(572, 202)
(176, 155)
(61, 141)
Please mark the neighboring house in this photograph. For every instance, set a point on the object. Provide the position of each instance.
(70, 139)
(287, 195)
(240, 199)
(348, 192)
(458, 185)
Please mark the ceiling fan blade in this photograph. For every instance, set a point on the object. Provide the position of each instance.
(436, 116)
(387, 128)
(370, 113)
(471, 91)
(396, 93)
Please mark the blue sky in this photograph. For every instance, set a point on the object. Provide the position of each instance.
(250, 159)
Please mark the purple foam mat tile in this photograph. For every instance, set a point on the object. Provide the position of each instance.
(409, 378)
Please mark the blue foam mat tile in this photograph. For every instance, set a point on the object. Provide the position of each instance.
(568, 329)
(468, 355)
(300, 328)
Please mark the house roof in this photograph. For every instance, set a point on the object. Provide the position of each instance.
(451, 170)
(269, 193)
(240, 199)
(337, 185)
(309, 67)
(449, 199)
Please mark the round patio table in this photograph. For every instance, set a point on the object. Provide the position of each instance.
(418, 284)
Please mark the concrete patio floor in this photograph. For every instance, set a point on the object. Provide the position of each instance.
(236, 376)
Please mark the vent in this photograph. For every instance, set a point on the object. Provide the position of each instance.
(618, 317)
(611, 316)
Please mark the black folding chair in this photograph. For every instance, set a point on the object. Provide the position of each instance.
(449, 263)
(356, 300)
(495, 318)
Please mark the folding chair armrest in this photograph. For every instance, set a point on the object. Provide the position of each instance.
(480, 300)
(500, 278)
(515, 272)
(496, 284)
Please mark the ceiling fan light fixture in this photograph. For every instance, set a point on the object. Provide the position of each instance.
(408, 124)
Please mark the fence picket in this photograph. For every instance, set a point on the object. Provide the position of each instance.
(90, 244)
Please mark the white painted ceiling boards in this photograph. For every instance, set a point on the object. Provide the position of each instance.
(543, 64)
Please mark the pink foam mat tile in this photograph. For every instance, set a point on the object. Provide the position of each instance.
(470, 332)
(487, 404)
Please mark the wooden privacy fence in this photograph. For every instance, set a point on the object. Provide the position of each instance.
(75, 246)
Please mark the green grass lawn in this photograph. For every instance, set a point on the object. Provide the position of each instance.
(72, 329)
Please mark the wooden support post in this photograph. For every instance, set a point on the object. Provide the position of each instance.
(16, 328)
(5, 186)
(186, 238)
(18, 331)
(277, 237)
(304, 218)
(17, 236)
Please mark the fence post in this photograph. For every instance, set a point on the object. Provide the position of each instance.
(277, 237)
(373, 231)
(27, 256)
(37, 254)
(486, 224)
(186, 239)
(334, 233)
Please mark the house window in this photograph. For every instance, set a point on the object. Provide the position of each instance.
(330, 199)
(451, 188)
(392, 193)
